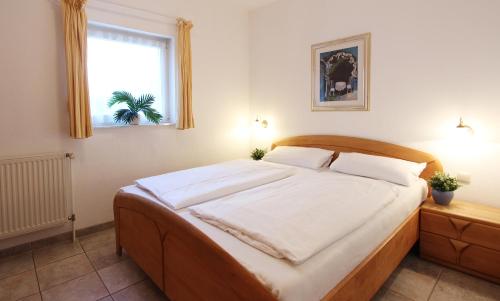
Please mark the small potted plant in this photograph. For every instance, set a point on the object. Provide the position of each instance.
(443, 187)
(135, 106)
(258, 154)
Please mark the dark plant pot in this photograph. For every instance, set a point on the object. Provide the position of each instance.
(442, 197)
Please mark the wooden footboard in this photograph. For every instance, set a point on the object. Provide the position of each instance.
(188, 265)
(180, 259)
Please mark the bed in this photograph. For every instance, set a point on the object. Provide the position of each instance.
(191, 260)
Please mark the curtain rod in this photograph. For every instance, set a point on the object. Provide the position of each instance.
(125, 10)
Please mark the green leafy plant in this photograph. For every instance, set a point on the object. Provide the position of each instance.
(443, 182)
(135, 106)
(258, 154)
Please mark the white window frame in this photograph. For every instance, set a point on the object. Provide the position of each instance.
(132, 19)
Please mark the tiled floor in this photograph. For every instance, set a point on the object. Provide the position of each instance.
(417, 279)
(85, 270)
(89, 270)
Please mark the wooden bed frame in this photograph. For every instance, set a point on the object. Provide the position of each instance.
(187, 265)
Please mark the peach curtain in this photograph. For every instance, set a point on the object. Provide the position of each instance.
(75, 42)
(185, 118)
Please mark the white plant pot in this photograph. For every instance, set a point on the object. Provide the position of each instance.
(136, 120)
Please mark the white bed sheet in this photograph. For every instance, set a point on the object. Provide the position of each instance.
(299, 216)
(188, 187)
(315, 277)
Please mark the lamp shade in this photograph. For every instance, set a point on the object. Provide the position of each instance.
(462, 130)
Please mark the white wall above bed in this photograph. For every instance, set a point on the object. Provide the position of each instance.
(432, 61)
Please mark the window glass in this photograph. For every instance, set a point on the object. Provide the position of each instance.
(125, 61)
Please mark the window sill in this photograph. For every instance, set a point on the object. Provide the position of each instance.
(110, 126)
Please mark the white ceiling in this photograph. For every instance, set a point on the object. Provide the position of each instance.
(252, 4)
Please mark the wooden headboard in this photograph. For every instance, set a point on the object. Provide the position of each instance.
(365, 146)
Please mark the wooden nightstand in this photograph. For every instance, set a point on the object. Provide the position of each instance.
(463, 236)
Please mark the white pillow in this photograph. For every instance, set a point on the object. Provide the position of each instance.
(308, 157)
(382, 168)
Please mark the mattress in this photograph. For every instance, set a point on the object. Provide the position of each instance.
(314, 278)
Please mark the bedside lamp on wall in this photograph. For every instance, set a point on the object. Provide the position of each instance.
(463, 130)
(463, 136)
(261, 123)
(264, 131)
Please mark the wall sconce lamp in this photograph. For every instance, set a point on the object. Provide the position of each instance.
(464, 134)
(263, 124)
(464, 129)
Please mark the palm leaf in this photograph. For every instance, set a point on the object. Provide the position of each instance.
(152, 115)
(145, 101)
(119, 115)
(123, 97)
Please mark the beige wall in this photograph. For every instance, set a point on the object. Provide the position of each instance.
(32, 101)
(432, 61)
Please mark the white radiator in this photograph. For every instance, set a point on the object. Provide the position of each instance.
(35, 193)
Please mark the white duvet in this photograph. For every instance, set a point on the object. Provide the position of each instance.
(298, 217)
(194, 186)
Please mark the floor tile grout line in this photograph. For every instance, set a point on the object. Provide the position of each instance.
(45, 265)
(19, 273)
(104, 284)
(36, 276)
(435, 284)
(64, 282)
(130, 285)
(400, 294)
(97, 273)
(68, 280)
(35, 270)
(91, 262)
(59, 259)
(93, 270)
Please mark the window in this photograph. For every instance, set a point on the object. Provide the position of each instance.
(120, 60)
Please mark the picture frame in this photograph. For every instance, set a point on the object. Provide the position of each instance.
(340, 72)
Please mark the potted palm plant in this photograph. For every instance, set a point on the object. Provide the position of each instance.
(135, 106)
(443, 187)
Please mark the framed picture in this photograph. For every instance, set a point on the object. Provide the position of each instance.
(341, 74)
